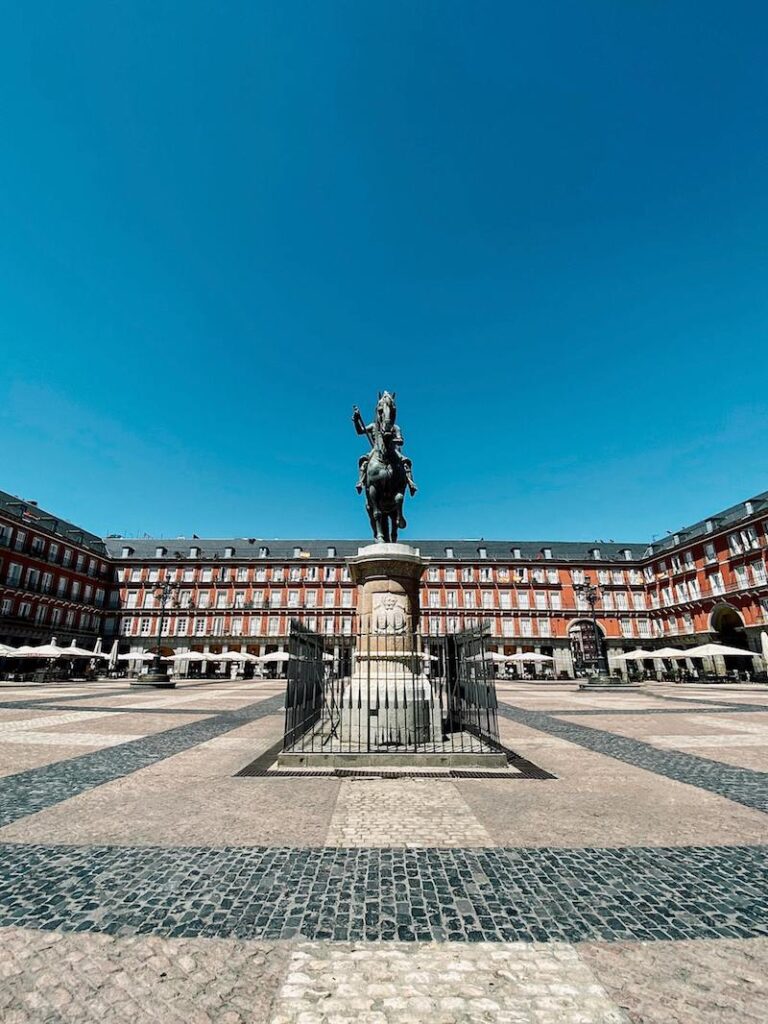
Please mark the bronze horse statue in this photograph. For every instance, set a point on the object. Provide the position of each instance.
(385, 472)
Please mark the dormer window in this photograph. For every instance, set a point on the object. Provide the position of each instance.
(546, 552)
(297, 552)
(160, 552)
(626, 554)
(709, 526)
(331, 551)
(482, 552)
(194, 552)
(449, 552)
(594, 553)
(229, 552)
(263, 552)
(516, 553)
(749, 508)
(675, 538)
(127, 552)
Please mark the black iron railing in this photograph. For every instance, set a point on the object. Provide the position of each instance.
(389, 693)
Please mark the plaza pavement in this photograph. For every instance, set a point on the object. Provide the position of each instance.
(142, 879)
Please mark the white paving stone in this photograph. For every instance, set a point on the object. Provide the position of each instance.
(442, 983)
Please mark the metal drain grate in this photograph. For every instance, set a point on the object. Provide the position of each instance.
(262, 768)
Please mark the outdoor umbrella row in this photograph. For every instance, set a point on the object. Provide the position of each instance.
(680, 653)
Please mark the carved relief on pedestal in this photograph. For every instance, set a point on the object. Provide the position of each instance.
(389, 614)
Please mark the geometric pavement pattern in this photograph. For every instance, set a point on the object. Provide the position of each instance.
(139, 880)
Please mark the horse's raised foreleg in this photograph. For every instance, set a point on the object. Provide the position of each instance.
(397, 516)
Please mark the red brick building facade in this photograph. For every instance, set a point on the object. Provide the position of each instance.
(707, 581)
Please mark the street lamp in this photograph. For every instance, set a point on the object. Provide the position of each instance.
(157, 675)
(591, 595)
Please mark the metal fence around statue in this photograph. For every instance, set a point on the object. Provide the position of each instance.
(390, 694)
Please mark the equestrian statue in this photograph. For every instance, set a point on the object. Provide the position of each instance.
(384, 472)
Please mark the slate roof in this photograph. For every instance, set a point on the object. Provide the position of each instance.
(32, 516)
(317, 550)
(720, 521)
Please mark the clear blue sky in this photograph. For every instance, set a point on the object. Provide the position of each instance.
(544, 224)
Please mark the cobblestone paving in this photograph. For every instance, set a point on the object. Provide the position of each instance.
(32, 791)
(71, 979)
(442, 984)
(376, 893)
(743, 785)
(706, 982)
(405, 812)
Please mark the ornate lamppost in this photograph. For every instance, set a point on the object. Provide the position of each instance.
(592, 595)
(157, 675)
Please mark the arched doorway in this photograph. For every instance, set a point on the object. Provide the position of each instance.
(584, 645)
(728, 626)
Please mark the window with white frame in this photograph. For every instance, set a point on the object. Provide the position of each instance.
(273, 626)
(466, 574)
(526, 627)
(221, 600)
(710, 554)
(199, 627)
(505, 600)
(182, 625)
(346, 598)
(329, 575)
(328, 625)
(603, 576)
(218, 626)
(644, 627)
(433, 574)
(293, 599)
(450, 599)
(508, 627)
(487, 599)
(687, 622)
(545, 627)
(626, 627)
(329, 599)
(239, 599)
(694, 588)
(638, 600)
(145, 626)
(715, 580)
(311, 598)
(237, 627)
(553, 576)
(540, 599)
(577, 576)
(434, 599)
(486, 574)
(740, 572)
(469, 599)
(555, 602)
(255, 626)
(523, 599)
(450, 575)
(537, 575)
(621, 601)
(608, 601)
(203, 599)
(275, 598)
(758, 572)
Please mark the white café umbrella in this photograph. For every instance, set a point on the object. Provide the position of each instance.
(274, 656)
(236, 656)
(112, 664)
(764, 646)
(637, 655)
(51, 650)
(717, 650)
(73, 651)
(136, 656)
(489, 656)
(187, 656)
(671, 653)
(530, 656)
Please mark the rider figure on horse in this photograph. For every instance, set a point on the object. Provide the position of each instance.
(396, 441)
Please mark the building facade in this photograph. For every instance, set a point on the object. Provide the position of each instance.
(705, 582)
(55, 578)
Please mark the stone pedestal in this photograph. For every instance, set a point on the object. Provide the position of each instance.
(388, 701)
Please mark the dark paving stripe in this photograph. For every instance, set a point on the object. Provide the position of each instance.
(742, 785)
(22, 706)
(719, 710)
(465, 895)
(40, 701)
(34, 790)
